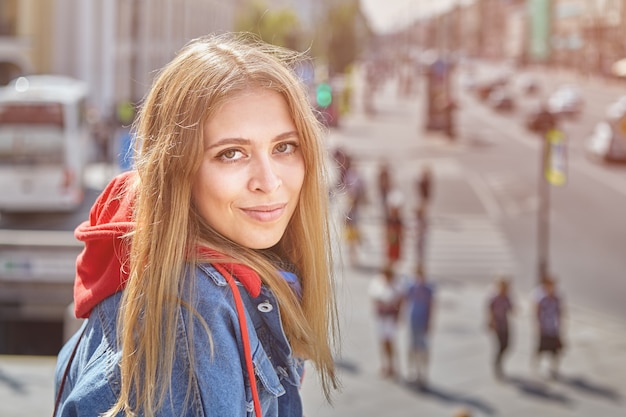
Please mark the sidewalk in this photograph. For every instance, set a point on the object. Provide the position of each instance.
(593, 374)
(592, 381)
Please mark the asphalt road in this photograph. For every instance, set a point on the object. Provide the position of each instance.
(494, 165)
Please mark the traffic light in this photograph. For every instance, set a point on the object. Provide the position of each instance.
(324, 95)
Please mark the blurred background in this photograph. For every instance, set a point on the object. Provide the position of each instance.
(516, 108)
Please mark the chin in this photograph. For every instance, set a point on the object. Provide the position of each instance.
(259, 244)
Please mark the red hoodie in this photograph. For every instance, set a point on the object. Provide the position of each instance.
(102, 266)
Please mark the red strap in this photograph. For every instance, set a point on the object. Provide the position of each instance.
(245, 275)
(244, 336)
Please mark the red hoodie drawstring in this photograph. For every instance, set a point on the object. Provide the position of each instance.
(243, 327)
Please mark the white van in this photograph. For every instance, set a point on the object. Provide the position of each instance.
(44, 136)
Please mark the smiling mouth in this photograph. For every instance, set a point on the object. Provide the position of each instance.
(265, 214)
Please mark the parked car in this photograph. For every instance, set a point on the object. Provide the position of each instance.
(485, 88)
(540, 119)
(616, 109)
(566, 101)
(501, 99)
(529, 85)
(607, 142)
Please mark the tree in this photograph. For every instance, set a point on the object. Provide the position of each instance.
(278, 27)
(346, 33)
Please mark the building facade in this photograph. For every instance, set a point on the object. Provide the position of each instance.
(114, 45)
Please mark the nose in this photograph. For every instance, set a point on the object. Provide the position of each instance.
(264, 175)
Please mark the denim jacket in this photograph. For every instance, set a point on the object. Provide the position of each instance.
(220, 387)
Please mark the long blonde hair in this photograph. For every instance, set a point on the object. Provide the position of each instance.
(169, 128)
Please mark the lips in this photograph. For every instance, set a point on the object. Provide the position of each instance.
(265, 213)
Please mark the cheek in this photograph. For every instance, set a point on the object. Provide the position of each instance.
(209, 194)
(300, 182)
(296, 177)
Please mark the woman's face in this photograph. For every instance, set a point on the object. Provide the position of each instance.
(249, 183)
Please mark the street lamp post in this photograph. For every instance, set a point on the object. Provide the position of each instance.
(552, 171)
(543, 215)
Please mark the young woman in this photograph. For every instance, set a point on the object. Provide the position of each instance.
(206, 277)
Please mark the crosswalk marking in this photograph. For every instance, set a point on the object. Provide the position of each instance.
(458, 247)
(473, 248)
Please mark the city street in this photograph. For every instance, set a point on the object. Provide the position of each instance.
(487, 180)
(483, 222)
(514, 107)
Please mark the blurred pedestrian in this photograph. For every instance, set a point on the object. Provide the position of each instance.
(342, 163)
(353, 183)
(384, 186)
(424, 186)
(421, 230)
(499, 308)
(102, 136)
(355, 197)
(549, 314)
(386, 294)
(352, 231)
(394, 234)
(419, 303)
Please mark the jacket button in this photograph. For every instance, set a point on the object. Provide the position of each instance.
(265, 307)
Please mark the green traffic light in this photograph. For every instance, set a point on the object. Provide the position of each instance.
(324, 95)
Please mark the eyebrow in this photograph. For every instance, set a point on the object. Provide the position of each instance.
(244, 141)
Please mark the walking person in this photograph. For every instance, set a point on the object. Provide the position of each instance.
(394, 234)
(499, 308)
(549, 313)
(386, 294)
(421, 231)
(207, 278)
(384, 186)
(424, 186)
(341, 159)
(420, 304)
(355, 197)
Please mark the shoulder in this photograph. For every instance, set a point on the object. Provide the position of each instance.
(92, 382)
(209, 284)
(210, 297)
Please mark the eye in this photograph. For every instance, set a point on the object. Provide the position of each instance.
(286, 147)
(229, 155)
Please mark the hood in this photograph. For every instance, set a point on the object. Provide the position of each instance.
(99, 271)
(102, 266)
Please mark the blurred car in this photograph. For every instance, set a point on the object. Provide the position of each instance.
(607, 142)
(539, 119)
(529, 85)
(616, 109)
(485, 88)
(566, 101)
(501, 99)
(468, 82)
